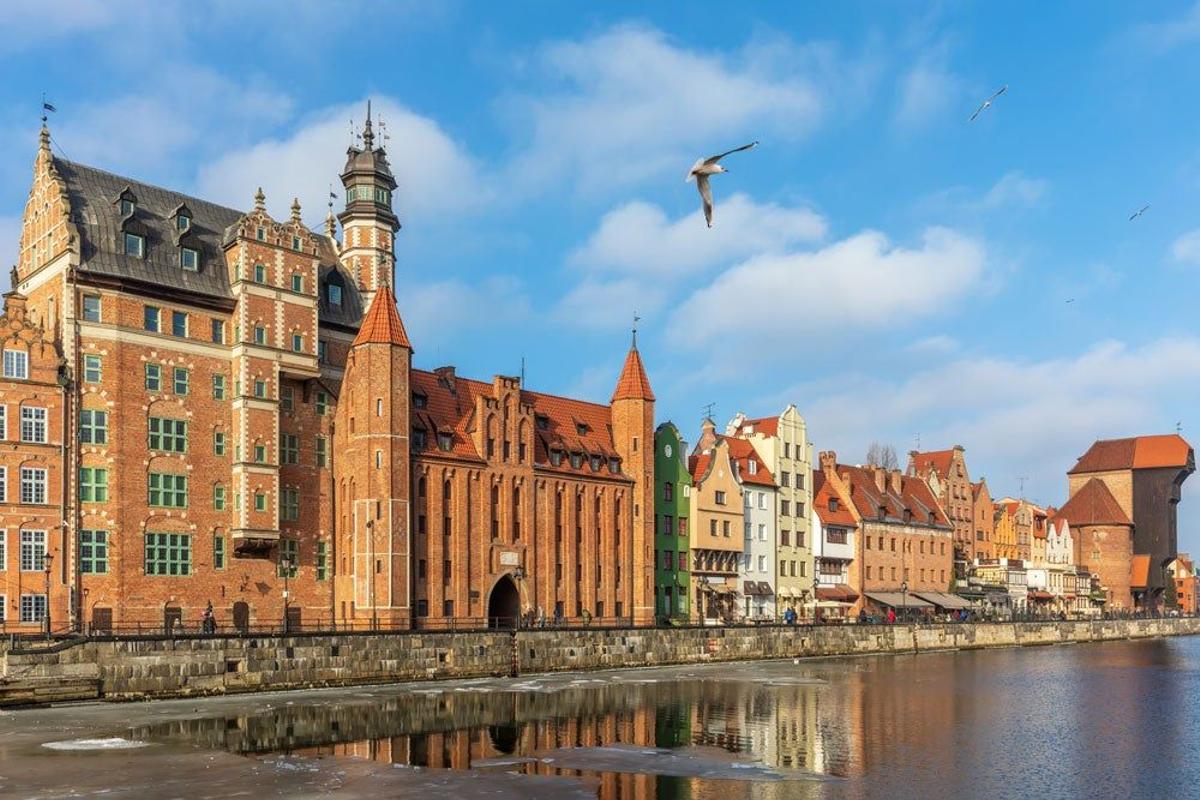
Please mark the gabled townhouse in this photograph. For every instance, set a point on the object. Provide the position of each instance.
(717, 520)
(836, 545)
(756, 576)
(672, 513)
(984, 512)
(946, 473)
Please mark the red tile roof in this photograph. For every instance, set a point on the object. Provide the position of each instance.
(698, 466)
(633, 383)
(573, 425)
(1093, 504)
(768, 426)
(1139, 572)
(937, 460)
(381, 324)
(914, 497)
(741, 452)
(1138, 452)
(823, 492)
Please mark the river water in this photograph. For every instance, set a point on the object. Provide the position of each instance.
(1100, 720)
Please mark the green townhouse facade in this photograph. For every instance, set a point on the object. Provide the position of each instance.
(672, 493)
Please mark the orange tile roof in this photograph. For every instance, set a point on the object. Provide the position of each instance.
(633, 383)
(1093, 504)
(823, 491)
(698, 465)
(381, 324)
(937, 460)
(1137, 452)
(914, 497)
(768, 426)
(741, 452)
(1139, 572)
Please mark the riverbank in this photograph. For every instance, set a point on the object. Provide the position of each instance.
(157, 667)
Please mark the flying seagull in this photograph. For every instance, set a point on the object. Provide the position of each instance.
(1139, 212)
(986, 104)
(702, 169)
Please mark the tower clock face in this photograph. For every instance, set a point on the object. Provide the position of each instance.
(667, 450)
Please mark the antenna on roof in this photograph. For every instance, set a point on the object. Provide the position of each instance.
(918, 438)
(1021, 483)
(522, 372)
(708, 410)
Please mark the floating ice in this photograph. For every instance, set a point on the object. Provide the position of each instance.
(110, 743)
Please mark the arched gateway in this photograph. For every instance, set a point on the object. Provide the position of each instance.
(504, 604)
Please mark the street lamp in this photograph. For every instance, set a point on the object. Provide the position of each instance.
(816, 608)
(904, 597)
(46, 559)
(518, 576)
(285, 563)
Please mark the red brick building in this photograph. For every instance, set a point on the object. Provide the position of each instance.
(239, 429)
(946, 473)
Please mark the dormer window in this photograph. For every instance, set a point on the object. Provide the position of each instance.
(445, 440)
(833, 504)
(542, 422)
(883, 512)
(183, 222)
(135, 245)
(419, 400)
(295, 242)
(595, 463)
(576, 460)
(189, 259)
(907, 515)
(334, 293)
(127, 207)
(418, 438)
(555, 457)
(581, 428)
(753, 467)
(260, 233)
(614, 465)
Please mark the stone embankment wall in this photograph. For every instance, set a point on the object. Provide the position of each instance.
(149, 668)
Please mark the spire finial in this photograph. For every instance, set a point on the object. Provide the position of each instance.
(368, 136)
(295, 209)
(260, 200)
(636, 320)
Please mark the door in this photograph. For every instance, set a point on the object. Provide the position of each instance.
(101, 620)
(172, 617)
(241, 617)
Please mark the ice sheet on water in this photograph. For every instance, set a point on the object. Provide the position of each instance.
(685, 762)
(109, 743)
(510, 761)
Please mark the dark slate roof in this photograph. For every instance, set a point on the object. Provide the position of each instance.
(95, 205)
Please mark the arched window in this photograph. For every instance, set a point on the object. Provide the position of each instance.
(516, 512)
(495, 511)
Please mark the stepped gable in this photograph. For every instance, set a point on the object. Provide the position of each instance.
(1093, 504)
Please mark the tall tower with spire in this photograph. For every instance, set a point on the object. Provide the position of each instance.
(369, 224)
(633, 436)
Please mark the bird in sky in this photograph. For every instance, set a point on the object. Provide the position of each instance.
(702, 169)
(1139, 212)
(986, 104)
(1071, 300)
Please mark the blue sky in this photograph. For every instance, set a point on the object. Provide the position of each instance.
(889, 267)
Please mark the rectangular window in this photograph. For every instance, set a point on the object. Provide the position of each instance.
(260, 273)
(168, 435)
(33, 551)
(218, 443)
(153, 377)
(290, 448)
(219, 497)
(289, 510)
(167, 490)
(297, 282)
(183, 222)
(181, 380)
(297, 343)
(168, 554)
(322, 353)
(91, 369)
(218, 383)
(260, 501)
(719, 497)
(334, 293)
(91, 308)
(16, 364)
(260, 389)
(3, 421)
(322, 458)
(295, 242)
(322, 561)
(322, 403)
(93, 485)
(218, 552)
(260, 453)
(218, 331)
(33, 485)
(93, 426)
(179, 324)
(135, 245)
(260, 334)
(287, 398)
(3, 499)
(93, 552)
(33, 424)
(33, 607)
(150, 316)
(189, 259)
(289, 558)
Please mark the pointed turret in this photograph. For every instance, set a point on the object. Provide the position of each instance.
(369, 224)
(381, 324)
(633, 383)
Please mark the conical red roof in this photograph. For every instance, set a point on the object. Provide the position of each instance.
(381, 324)
(633, 383)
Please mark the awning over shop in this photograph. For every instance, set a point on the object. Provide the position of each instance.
(1038, 594)
(898, 600)
(750, 588)
(840, 592)
(949, 602)
(765, 589)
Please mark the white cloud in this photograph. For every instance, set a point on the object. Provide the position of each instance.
(605, 304)
(863, 282)
(939, 345)
(1186, 249)
(1014, 189)
(439, 312)
(927, 92)
(1169, 34)
(436, 174)
(1015, 417)
(628, 104)
(638, 237)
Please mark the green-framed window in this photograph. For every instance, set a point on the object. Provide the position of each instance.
(260, 501)
(218, 443)
(93, 485)
(260, 273)
(154, 377)
(322, 403)
(297, 282)
(92, 369)
(322, 561)
(218, 552)
(181, 380)
(218, 387)
(93, 426)
(289, 552)
(322, 445)
(260, 388)
(289, 505)
(260, 453)
(219, 497)
(167, 490)
(290, 448)
(168, 435)
(93, 552)
(168, 554)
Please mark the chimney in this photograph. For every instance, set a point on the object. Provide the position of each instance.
(828, 461)
(708, 436)
(897, 482)
(880, 475)
(446, 377)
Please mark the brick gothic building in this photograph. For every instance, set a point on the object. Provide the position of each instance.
(237, 424)
(946, 473)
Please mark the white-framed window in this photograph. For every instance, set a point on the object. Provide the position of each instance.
(92, 369)
(189, 259)
(16, 364)
(33, 424)
(3, 421)
(183, 222)
(33, 485)
(33, 551)
(33, 607)
(91, 307)
(135, 245)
